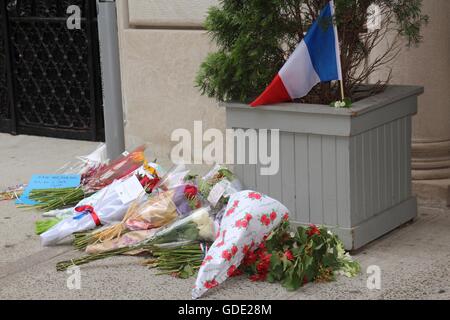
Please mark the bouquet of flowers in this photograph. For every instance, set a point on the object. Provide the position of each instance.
(198, 226)
(107, 206)
(310, 254)
(248, 218)
(217, 186)
(158, 210)
(93, 178)
(155, 212)
(83, 165)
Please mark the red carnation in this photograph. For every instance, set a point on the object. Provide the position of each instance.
(250, 259)
(313, 230)
(233, 271)
(255, 277)
(288, 254)
(273, 215)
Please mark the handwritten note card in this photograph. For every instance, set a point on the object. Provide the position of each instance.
(48, 181)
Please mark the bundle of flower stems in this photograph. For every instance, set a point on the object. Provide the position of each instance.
(94, 179)
(43, 225)
(196, 227)
(182, 261)
(52, 199)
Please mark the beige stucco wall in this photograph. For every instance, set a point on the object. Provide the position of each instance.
(159, 62)
(428, 65)
(162, 45)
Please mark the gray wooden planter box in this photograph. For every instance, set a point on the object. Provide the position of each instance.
(348, 169)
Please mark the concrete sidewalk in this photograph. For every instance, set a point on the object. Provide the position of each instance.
(414, 259)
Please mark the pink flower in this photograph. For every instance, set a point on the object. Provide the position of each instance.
(210, 284)
(226, 255)
(229, 212)
(273, 215)
(254, 195)
(265, 220)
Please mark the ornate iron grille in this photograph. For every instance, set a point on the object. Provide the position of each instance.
(4, 101)
(55, 70)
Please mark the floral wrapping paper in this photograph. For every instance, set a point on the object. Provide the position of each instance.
(248, 218)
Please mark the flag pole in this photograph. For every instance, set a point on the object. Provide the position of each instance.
(338, 51)
(341, 82)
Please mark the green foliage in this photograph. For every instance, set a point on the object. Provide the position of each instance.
(254, 38)
(310, 254)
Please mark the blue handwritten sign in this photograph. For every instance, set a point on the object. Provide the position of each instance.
(48, 181)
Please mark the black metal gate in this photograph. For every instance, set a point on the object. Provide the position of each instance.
(50, 82)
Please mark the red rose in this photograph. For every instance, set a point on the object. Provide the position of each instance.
(273, 215)
(190, 191)
(234, 250)
(236, 203)
(245, 249)
(145, 181)
(238, 223)
(244, 223)
(286, 217)
(288, 254)
(248, 217)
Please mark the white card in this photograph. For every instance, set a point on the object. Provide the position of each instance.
(129, 190)
(217, 192)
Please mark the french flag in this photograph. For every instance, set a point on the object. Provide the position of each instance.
(316, 59)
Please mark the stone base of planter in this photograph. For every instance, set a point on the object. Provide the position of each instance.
(348, 169)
